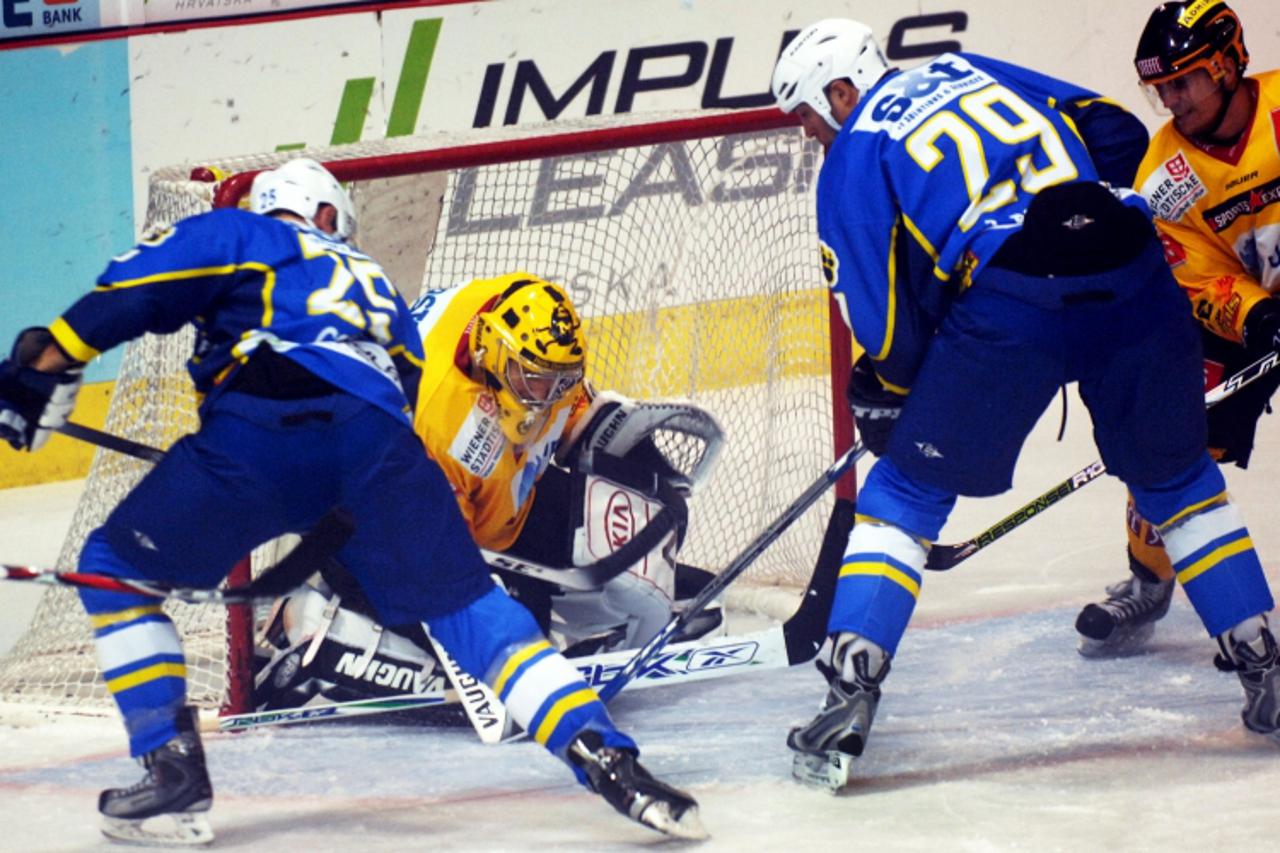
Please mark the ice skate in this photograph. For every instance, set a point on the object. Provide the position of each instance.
(616, 775)
(1126, 621)
(171, 803)
(825, 748)
(1258, 665)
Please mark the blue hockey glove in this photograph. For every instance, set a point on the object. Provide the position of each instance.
(875, 408)
(33, 403)
(1262, 326)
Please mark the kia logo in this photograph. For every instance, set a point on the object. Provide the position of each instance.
(620, 522)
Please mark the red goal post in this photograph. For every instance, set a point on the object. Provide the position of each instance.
(689, 246)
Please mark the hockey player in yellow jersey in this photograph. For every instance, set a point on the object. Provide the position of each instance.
(503, 387)
(1212, 178)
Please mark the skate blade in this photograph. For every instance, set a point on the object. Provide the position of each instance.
(688, 826)
(1124, 642)
(180, 828)
(828, 771)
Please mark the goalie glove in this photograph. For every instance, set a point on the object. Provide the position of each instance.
(34, 403)
(875, 408)
(678, 442)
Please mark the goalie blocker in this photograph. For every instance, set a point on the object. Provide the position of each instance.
(596, 564)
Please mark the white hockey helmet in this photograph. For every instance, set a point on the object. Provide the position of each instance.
(301, 186)
(831, 49)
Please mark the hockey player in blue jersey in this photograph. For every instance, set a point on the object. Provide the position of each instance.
(982, 263)
(304, 356)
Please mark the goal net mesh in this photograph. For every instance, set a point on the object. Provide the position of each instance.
(690, 250)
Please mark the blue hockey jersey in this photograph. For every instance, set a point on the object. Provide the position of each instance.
(245, 281)
(930, 175)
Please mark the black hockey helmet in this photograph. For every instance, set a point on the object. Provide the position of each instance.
(1182, 36)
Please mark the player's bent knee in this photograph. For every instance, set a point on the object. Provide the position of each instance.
(894, 498)
(98, 557)
(1162, 503)
(478, 634)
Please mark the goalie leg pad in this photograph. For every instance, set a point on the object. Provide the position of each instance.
(640, 598)
(318, 648)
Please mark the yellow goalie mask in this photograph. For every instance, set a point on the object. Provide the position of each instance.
(530, 350)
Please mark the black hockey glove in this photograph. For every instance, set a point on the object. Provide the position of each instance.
(34, 403)
(875, 408)
(1262, 326)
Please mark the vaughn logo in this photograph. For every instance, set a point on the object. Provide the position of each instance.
(384, 673)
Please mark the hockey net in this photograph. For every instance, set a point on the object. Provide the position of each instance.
(689, 247)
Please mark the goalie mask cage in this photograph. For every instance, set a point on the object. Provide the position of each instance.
(689, 247)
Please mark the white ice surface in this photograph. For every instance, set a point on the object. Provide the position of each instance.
(993, 734)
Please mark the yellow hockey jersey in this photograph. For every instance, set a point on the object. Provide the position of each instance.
(1218, 212)
(492, 479)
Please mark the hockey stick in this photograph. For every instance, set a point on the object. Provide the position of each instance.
(316, 713)
(733, 570)
(945, 557)
(794, 642)
(320, 543)
(487, 714)
(119, 444)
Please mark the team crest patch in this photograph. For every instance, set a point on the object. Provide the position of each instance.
(830, 264)
(1173, 189)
